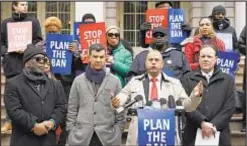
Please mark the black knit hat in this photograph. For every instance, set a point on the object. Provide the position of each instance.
(31, 51)
(88, 16)
(218, 9)
(163, 2)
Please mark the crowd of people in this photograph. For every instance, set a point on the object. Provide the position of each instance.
(46, 108)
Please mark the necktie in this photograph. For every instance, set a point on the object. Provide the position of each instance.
(154, 91)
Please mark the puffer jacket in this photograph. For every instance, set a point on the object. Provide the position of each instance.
(122, 62)
(192, 47)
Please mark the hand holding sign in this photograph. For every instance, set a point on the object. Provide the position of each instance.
(146, 26)
(110, 59)
(198, 90)
(20, 51)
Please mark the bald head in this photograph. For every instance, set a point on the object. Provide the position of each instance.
(154, 62)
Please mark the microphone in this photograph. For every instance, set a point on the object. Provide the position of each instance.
(179, 105)
(171, 102)
(163, 103)
(136, 99)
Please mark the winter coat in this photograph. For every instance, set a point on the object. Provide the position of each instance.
(90, 111)
(175, 63)
(122, 62)
(242, 49)
(217, 105)
(25, 106)
(192, 47)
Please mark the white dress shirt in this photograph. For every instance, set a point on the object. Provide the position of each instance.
(207, 75)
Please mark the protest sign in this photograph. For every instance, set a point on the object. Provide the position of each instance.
(156, 127)
(157, 17)
(57, 50)
(227, 39)
(91, 34)
(19, 35)
(228, 62)
(76, 32)
(176, 19)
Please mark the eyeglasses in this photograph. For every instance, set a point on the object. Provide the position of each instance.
(40, 59)
(113, 34)
(158, 35)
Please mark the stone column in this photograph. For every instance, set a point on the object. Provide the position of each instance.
(240, 16)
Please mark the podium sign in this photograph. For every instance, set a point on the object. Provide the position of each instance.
(156, 127)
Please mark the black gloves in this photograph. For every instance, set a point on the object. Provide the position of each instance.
(145, 26)
(186, 27)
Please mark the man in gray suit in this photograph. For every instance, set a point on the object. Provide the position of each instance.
(91, 119)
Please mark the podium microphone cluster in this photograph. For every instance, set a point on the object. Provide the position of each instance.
(136, 99)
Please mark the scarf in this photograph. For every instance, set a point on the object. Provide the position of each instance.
(36, 78)
(96, 76)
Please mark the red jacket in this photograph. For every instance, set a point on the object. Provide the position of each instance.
(192, 47)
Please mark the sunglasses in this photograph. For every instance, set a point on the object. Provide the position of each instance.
(113, 34)
(159, 35)
(40, 59)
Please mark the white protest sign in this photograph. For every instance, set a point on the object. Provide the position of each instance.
(19, 35)
(227, 39)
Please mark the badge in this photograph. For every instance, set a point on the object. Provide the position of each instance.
(169, 62)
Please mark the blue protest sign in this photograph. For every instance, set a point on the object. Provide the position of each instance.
(57, 46)
(175, 20)
(228, 62)
(76, 32)
(156, 127)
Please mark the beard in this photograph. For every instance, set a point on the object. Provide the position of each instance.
(161, 45)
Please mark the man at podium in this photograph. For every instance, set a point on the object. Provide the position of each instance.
(153, 86)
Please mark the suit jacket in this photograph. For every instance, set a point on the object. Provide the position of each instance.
(25, 105)
(139, 85)
(217, 105)
(89, 113)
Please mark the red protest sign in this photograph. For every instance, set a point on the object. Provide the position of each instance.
(157, 17)
(91, 34)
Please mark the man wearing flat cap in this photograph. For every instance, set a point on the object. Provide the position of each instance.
(35, 104)
(175, 62)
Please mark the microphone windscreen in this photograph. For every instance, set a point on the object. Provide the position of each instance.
(138, 98)
(163, 101)
(179, 103)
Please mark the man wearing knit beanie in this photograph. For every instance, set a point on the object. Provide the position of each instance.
(88, 18)
(36, 104)
(222, 24)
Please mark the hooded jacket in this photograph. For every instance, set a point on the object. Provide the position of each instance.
(12, 62)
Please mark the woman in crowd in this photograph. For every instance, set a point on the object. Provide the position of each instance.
(119, 57)
(206, 35)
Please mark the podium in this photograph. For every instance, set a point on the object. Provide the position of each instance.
(159, 127)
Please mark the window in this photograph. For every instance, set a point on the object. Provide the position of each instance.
(134, 15)
(32, 9)
(60, 10)
(41, 10)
